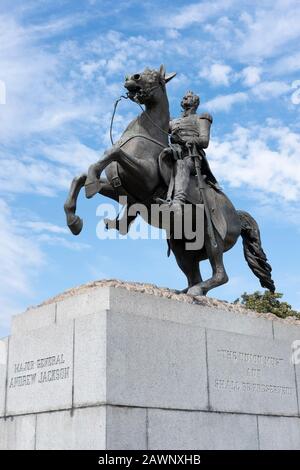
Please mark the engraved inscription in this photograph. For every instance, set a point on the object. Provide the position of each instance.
(256, 366)
(258, 359)
(236, 386)
(41, 370)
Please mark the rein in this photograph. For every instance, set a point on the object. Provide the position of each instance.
(113, 116)
(151, 120)
(143, 137)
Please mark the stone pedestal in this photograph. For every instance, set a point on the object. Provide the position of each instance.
(104, 367)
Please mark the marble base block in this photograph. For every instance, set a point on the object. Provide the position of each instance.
(111, 368)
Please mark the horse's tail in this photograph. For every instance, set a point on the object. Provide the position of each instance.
(253, 252)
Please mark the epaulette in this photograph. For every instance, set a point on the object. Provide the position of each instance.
(206, 116)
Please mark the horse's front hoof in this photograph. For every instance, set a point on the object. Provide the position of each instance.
(76, 225)
(196, 290)
(92, 188)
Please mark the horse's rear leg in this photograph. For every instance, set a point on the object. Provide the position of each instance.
(219, 275)
(73, 221)
(187, 261)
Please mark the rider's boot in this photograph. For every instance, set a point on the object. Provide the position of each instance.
(182, 178)
(181, 183)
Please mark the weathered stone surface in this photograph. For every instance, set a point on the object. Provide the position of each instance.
(82, 429)
(40, 370)
(126, 428)
(3, 368)
(279, 433)
(169, 294)
(286, 331)
(92, 428)
(18, 433)
(90, 302)
(297, 376)
(151, 306)
(201, 431)
(250, 375)
(33, 319)
(90, 360)
(154, 302)
(155, 363)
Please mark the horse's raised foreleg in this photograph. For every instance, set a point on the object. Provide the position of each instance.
(219, 275)
(73, 221)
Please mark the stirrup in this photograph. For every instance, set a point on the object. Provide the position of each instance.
(159, 200)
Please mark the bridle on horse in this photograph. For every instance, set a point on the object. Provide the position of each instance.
(146, 114)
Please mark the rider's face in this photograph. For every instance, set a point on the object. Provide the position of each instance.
(187, 102)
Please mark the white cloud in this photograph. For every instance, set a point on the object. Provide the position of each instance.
(222, 31)
(72, 154)
(272, 89)
(263, 158)
(172, 33)
(46, 233)
(295, 97)
(36, 98)
(90, 68)
(48, 89)
(289, 63)
(32, 175)
(2, 92)
(251, 75)
(225, 102)
(59, 25)
(195, 13)
(64, 242)
(20, 258)
(39, 226)
(268, 30)
(217, 74)
(23, 257)
(255, 34)
(259, 92)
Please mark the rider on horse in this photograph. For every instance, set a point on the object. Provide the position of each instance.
(189, 136)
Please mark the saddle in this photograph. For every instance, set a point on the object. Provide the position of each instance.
(214, 196)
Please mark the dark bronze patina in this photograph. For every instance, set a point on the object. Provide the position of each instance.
(144, 166)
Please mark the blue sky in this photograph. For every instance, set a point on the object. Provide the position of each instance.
(63, 64)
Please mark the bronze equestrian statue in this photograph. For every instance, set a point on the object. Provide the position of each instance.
(146, 168)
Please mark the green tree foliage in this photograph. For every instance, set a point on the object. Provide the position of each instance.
(267, 302)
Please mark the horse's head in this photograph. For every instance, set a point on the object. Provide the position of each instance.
(142, 87)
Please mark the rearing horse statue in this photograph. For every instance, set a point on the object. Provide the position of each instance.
(133, 169)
